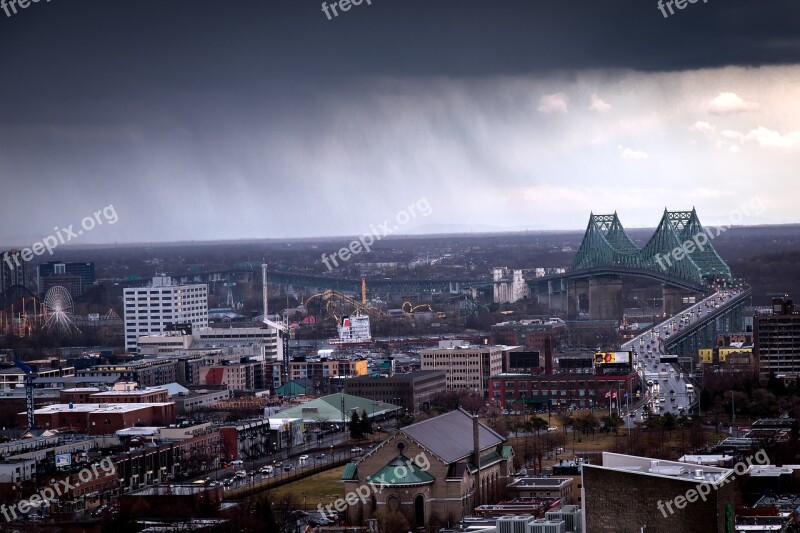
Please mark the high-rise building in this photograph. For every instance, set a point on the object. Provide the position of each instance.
(76, 277)
(148, 310)
(776, 339)
(13, 271)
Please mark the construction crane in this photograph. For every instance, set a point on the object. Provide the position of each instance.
(281, 327)
(29, 375)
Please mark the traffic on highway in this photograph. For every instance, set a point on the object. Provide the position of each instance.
(668, 388)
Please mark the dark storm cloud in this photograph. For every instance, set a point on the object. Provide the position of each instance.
(89, 47)
(117, 100)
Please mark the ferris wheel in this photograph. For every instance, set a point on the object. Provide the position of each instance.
(59, 310)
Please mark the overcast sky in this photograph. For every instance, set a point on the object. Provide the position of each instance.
(201, 120)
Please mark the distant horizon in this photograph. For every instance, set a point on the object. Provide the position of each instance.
(398, 236)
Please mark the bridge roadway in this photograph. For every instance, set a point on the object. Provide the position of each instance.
(351, 286)
(654, 275)
(445, 286)
(669, 380)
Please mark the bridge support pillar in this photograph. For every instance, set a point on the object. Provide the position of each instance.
(577, 294)
(605, 298)
(673, 299)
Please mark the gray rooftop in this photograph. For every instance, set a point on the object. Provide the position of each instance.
(540, 482)
(449, 436)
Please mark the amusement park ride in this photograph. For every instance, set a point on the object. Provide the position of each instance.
(55, 314)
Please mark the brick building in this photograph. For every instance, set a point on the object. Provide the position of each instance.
(529, 333)
(236, 376)
(412, 391)
(430, 470)
(627, 492)
(561, 390)
(94, 395)
(101, 419)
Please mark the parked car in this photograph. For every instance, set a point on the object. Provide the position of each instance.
(241, 473)
(320, 456)
(237, 462)
(356, 450)
(303, 458)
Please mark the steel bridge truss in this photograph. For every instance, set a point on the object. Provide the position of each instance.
(680, 247)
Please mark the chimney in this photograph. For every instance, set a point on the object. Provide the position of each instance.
(548, 356)
(476, 459)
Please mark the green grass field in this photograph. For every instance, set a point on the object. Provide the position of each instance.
(323, 488)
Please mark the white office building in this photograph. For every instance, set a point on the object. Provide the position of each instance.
(149, 309)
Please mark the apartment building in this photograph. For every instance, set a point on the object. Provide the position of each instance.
(147, 373)
(777, 340)
(300, 367)
(465, 366)
(148, 310)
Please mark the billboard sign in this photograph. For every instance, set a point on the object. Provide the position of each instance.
(63, 460)
(604, 358)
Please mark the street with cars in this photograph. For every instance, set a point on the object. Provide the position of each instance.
(668, 387)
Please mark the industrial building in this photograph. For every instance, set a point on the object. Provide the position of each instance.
(412, 392)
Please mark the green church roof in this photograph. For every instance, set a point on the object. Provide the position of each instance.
(350, 472)
(401, 471)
